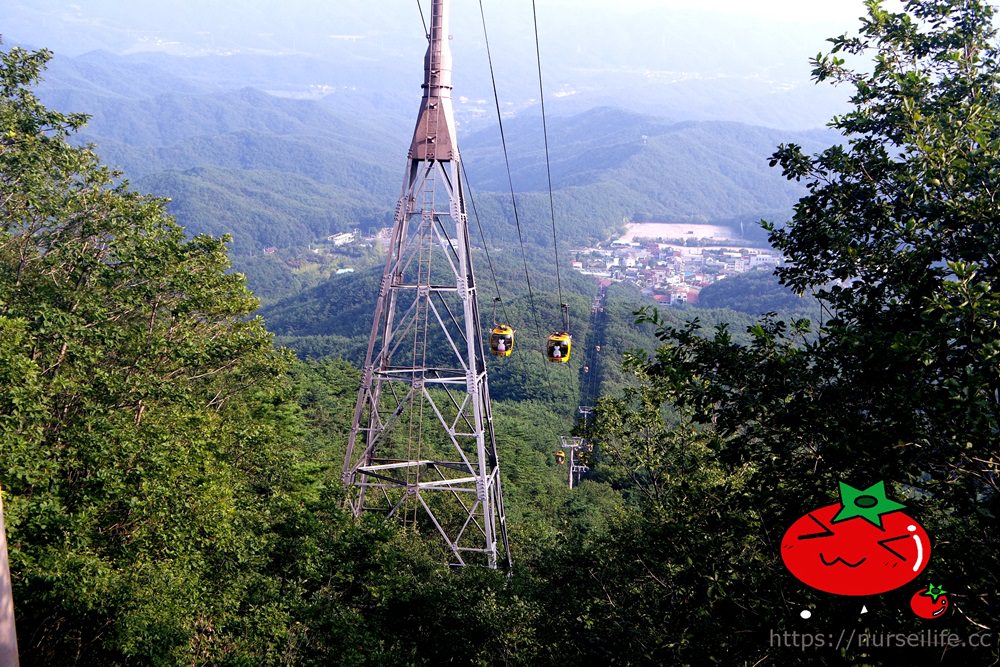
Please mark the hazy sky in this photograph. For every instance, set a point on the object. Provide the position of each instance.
(670, 50)
(779, 10)
(113, 21)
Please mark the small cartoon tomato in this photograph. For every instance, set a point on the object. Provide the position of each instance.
(930, 602)
(863, 545)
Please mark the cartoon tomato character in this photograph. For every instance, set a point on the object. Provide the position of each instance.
(930, 602)
(863, 545)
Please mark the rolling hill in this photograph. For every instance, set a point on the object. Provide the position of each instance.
(276, 171)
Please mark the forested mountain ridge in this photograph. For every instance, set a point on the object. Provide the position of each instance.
(607, 163)
(597, 143)
(262, 208)
(169, 119)
(270, 171)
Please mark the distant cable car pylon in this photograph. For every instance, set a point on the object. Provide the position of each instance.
(579, 456)
(422, 443)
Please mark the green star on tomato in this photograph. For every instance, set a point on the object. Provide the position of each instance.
(869, 504)
(931, 602)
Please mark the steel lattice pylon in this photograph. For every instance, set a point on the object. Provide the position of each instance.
(422, 422)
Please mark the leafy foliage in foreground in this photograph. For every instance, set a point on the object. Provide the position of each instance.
(143, 449)
(898, 238)
(169, 480)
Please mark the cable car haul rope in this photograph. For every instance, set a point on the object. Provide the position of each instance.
(558, 345)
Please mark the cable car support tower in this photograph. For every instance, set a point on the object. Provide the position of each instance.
(422, 445)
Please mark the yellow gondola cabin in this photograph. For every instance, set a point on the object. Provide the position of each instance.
(501, 341)
(558, 347)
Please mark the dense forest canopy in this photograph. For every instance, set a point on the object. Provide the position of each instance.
(169, 475)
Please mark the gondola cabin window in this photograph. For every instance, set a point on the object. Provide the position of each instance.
(501, 341)
(558, 347)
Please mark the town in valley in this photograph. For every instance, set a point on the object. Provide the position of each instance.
(673, 262)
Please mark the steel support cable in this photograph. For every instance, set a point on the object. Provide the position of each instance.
(423, 20)
(517, 222)
(510, 180)
(548, 165)
(482, 236)
(489, 261)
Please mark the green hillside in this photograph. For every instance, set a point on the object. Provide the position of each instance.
(264, 208)
(169, 118)
(268, 171)
(104, 74)
(334, 318)
(606, 163)
(343, 305)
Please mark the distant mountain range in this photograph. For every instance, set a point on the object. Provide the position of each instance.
(744, 62)
(275, 171)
